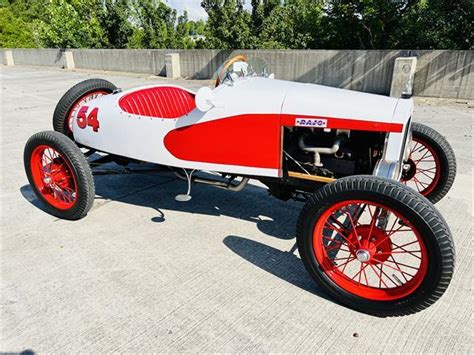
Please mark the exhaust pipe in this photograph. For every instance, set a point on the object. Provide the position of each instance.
(320, 150)
(220, 184)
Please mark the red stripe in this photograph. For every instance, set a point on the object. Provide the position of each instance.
(346, 123)
(249, 140)
(244, 140)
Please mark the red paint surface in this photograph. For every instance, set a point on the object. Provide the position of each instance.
(161, 102)
(53, 177)
(249, 140)
(346, 123)
(245, 140)
(385, 255)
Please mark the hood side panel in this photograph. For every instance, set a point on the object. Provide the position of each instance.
(322, 101)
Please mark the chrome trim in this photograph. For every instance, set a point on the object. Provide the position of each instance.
(388, 170)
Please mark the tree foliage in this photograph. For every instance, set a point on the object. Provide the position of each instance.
(73, 24)
(14, 32)
(281, 24)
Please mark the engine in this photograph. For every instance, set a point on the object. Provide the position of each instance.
(330, 152)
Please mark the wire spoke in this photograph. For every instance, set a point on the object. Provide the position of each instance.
(400, 263)
(347, 262)
(397, 269)
(388, 277)
(379, 277)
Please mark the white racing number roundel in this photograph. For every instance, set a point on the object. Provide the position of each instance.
(311, 122)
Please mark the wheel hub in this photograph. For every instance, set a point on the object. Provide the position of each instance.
(409, 170)
(363, 255)
(370, 244)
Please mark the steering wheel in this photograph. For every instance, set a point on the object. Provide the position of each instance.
(226, 66)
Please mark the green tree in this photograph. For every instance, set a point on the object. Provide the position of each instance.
(436, 25)
(229, 25)
(14, 32)
(183, 32)
(296, 24)
(73, 24)
(361, 24)
(116, 24)
(155, 24)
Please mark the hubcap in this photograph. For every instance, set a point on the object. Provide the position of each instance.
(409, 170)
(362, 255)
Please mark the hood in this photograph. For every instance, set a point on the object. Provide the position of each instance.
(324, 101)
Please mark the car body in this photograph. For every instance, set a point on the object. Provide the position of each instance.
(231, 137)
(367, 232)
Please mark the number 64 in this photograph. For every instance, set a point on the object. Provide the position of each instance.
(84, 120)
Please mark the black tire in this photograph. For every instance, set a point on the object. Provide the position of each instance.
(443, 150)
(73, 96)
(432, 228)
(81, 173)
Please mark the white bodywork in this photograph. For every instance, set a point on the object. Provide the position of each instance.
(142, 137)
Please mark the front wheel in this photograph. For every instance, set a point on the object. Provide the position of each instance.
(59, 175)
(376, 246)
(431, 165)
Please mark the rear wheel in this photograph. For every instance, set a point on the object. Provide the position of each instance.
(59, 174)
(76, 97)
(376, 246)
(431, 165)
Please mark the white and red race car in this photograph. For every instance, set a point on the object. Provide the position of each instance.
(368, 232)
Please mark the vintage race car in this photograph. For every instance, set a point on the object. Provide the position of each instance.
(368, 232)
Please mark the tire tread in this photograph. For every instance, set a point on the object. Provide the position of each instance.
(67, 101)
(423, 207)
(78, 163)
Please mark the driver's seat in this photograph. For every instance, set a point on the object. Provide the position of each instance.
(159, 101)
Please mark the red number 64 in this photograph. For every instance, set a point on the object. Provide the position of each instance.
(84, 120)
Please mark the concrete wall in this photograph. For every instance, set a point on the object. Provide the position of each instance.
(368, 71)
(40, 57)
(3, 60)
(134, 60)
(444, 74)
(439, 73)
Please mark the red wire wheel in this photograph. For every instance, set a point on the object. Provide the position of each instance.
(365, 259)
(375, 245)
(423, 167)
(431, 165)
(53, 177)
(74, 98)
(59, 175)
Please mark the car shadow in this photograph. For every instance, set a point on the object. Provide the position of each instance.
(271, 216)
(282, 264)
(158, 188)
(29, 195)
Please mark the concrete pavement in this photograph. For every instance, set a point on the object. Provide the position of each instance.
(144, 273)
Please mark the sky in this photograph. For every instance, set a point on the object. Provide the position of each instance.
(195, 11)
